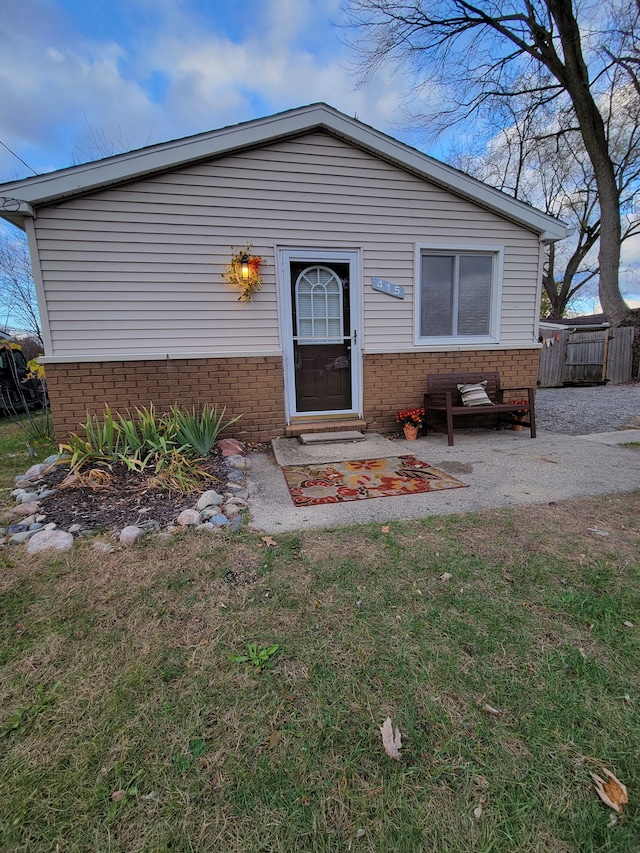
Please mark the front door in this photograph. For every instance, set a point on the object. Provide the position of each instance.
(322, 350)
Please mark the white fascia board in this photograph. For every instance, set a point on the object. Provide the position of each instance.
(100, 174)
(153, 356)
(165, 156)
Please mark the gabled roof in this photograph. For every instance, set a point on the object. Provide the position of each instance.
(22, 198)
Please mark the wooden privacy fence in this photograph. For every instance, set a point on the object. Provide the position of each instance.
(585, 357)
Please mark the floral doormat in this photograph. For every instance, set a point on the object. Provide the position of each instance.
(334, 482)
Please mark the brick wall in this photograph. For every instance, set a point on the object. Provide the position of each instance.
(252, 387)
(395, 381)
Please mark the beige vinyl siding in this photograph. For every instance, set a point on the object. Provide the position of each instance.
(136, 270)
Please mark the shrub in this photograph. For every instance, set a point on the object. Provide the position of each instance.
(163, 445)
(200, 430)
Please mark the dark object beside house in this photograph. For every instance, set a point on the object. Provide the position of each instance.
(443, 402)
(18, 392)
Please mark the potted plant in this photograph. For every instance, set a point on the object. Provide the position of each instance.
(411, 420)
(518, 417)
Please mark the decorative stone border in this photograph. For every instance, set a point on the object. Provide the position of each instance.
(27, 522)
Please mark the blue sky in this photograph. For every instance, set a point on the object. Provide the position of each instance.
(129, 73)
(135, 72)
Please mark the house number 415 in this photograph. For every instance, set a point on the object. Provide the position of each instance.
(387, 287)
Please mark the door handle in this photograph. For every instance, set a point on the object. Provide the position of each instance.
(355, 336)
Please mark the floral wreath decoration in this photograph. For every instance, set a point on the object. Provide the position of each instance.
(244, 272)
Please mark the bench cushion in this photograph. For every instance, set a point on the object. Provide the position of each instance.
(474, 395)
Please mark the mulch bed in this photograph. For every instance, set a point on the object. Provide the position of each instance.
(128, 498)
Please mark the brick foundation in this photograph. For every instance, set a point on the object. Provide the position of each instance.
(251, 387)
(254, 387)
(395, 381)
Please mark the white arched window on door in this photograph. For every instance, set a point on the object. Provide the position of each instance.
(319, 310)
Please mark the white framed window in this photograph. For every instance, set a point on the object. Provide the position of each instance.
(458, 293)
(319, 309)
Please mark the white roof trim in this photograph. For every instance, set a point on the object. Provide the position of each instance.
(77, 180)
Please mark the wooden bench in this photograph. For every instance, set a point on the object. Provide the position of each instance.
(443, 403)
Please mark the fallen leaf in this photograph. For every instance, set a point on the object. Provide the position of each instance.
(392, 741)
(118, 795)
(489, 710)
(269, 541)
(613, 793)
(275, 737)
(481, 782)
(477, 811)
(446, 576)
(385, 528)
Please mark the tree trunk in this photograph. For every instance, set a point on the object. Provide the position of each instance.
(574, 76)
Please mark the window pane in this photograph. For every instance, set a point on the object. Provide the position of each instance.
(436, 302)
(474, 295)
(319, 305)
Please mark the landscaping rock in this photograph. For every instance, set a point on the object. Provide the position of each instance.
(237, 490)
(28, 497)
(21, 511)
(35, 472)
(23, 536)
(188, 517)
(131, 534)
(209, 498)
(219, 520)
(206, 514)
(21, 483)
(50, 540)
(231, 447)
(27, 520)
(236, 461)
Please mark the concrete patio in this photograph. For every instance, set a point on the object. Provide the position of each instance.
(500, 468)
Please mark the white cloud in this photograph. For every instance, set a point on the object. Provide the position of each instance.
(206, 74)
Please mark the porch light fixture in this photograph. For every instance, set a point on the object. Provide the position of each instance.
(244, 272)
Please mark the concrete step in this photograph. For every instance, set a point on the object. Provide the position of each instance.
(304, 427)
(331, 437)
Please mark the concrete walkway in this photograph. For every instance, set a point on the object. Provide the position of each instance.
(500, 468)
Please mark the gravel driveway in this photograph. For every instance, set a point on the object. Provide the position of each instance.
(580, 411)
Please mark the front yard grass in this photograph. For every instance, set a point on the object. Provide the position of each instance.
(125, 726)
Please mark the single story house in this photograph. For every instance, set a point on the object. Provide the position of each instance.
(378, 266)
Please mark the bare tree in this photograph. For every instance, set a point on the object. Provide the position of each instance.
(530, 160)
(469, 59)
(18, 300)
